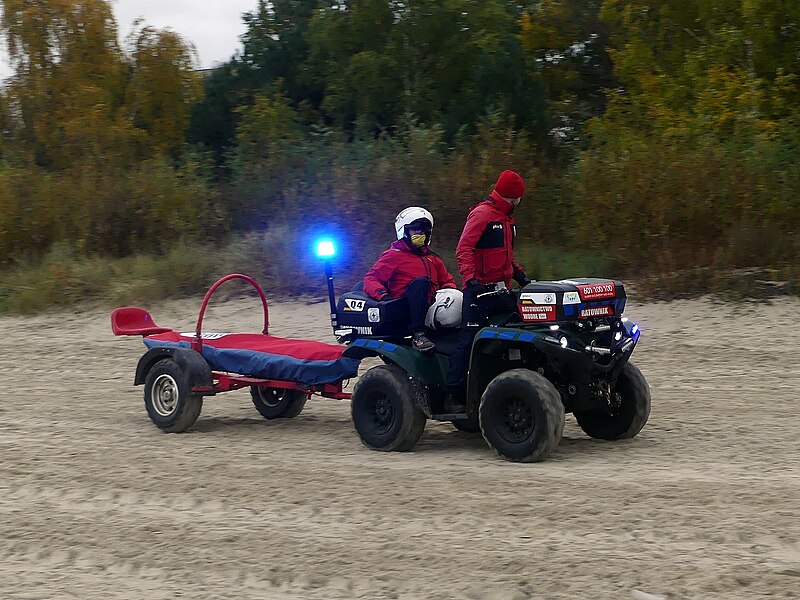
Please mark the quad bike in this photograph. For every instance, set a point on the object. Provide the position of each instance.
(565, 349)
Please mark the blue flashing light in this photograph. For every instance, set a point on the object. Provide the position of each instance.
(325, 249)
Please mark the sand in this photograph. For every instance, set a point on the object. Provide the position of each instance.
(96, 502)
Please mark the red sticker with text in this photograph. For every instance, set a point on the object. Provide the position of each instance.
(596, 311)
(538, 312)
(596, 291)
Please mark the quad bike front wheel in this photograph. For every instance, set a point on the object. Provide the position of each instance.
(521, 416)
(273, 403)
(626, 417)
(168, 397)
(383, 410)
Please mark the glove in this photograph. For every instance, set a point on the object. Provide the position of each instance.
(521, 278)
(473, 282)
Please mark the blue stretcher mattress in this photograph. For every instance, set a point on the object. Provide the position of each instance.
(266, 356)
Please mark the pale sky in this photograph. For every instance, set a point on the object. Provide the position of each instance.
(213, 26)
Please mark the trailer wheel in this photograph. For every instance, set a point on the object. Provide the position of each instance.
(383, 410)
(627, 419)
(168, 397)
(521, 416)
(275, 403)
(467, 425)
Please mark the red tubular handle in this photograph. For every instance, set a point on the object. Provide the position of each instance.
(197, 343)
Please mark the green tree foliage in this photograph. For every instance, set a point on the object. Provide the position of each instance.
(274, 48)
(90, 134)
(275, 45)
(721, 63)
(667, 100)
(567, 43)
(695, 154)
(365, 65)
(214, 118)
(270, 150)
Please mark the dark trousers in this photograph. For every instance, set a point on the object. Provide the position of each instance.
(418, 298)
(478, 307)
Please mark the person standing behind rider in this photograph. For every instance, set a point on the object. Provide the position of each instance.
(410, 270)
(485, 256)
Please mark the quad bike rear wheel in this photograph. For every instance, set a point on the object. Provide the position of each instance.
(625, 419)
(273, 403)
(168, 397)
(383, 410)
(521, 416)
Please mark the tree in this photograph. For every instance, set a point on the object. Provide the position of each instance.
(725, 63)
(163, 87)
(87, 130)
(69, 77)
(567, 48)
(448, 62)
(274, 47)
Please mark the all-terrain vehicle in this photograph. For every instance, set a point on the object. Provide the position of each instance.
(565, 349)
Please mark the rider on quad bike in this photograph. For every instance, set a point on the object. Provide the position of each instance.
(410, 270)
(485, 255)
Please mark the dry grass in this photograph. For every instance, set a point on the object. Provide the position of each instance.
(283, 262)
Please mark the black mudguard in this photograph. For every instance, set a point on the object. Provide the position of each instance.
(429, 367)
(198, 371)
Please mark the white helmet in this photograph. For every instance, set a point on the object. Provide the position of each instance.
(446, 309)
(407, 216)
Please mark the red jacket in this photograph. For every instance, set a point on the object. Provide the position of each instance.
(400, 265)
(486, 249)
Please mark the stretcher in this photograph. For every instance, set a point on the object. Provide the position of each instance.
(180, 368)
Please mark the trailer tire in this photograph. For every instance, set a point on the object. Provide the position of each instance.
(383, 410)
(522, 416)
(631, 415)
(273, 403)
(168, 397)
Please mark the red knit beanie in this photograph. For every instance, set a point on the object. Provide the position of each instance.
(510, 185)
